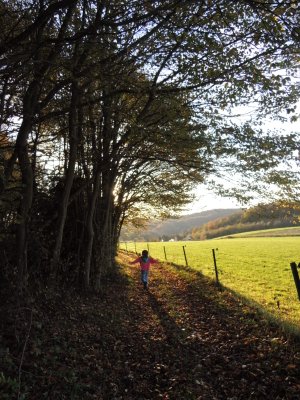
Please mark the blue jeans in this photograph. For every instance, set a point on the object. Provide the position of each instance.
(144, 276)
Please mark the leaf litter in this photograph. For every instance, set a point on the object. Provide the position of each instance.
(181, 339)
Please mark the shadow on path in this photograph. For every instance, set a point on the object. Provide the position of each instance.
(171, 328)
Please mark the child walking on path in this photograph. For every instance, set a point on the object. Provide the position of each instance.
(145, 261)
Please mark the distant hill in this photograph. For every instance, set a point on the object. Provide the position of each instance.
(219, 222)
(173, 227)
(188, 222)
(257, 218)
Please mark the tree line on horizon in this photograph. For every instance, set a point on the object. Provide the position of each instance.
(113, 111)
(264, 216)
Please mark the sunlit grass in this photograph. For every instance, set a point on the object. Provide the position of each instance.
(291, 231)
(255, 268)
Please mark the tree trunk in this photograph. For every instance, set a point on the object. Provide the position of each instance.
(24, 211)
(90, 231)
(73, 133)
(104, 260)
(21, 150)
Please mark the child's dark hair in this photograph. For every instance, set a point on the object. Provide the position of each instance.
(145, 253)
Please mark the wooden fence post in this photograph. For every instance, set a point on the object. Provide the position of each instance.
(165, 253)
(216, 268)
(186, 263)
(296, 277)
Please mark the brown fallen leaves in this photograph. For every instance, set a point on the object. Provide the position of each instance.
(181, 339)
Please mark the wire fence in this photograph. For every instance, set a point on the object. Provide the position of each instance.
(257, 268)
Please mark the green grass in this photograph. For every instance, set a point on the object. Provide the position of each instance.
(255, 268)
(275, 232)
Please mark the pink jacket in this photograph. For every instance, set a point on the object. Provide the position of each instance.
(144, 265)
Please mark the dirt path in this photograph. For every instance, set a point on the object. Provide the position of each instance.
(179, 340)
(209, 345)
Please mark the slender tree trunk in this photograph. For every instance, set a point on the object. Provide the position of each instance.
(105, 259)
(21, 151)
(73, 131)
(116, 227)
(24, 210)
(90, 230)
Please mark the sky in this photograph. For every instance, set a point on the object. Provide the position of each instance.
(207, 200)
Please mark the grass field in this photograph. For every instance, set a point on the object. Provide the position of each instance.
(255, 268)
(276, 232)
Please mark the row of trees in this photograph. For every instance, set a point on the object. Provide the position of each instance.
(110, 112)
